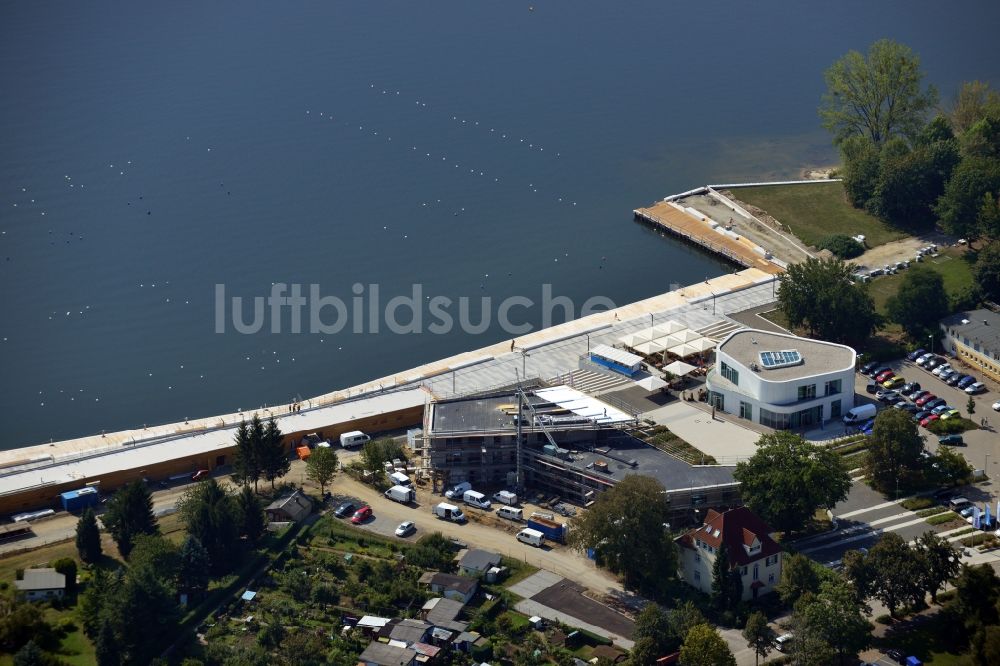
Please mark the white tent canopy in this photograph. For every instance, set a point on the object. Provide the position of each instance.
(633, 340)
(683, 351)
(679, 368)
(668, 327)
(704, 344)
(651, 383)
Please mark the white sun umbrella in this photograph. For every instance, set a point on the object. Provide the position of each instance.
(682, 351)
(687, 335)
(633, 340)
(668, 327)
(651, 347)
(703, 344)
(651, 383)
(679, 368)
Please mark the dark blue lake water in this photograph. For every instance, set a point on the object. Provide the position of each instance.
(150, 152)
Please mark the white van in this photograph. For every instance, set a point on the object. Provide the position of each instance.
(860, 414)
(781, 643)
(449, 512)
(399, 479)
(476, 499)
(510, 513)
(531, 537)
(354, 438)
(505, 497)
(456, 491)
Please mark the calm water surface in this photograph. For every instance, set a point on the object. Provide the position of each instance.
(150, 152)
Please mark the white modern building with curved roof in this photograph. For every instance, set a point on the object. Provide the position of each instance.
(782, 381)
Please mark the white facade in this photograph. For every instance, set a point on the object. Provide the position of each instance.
(819, 387)
(696, 570)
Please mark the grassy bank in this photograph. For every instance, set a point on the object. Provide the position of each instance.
(954, 268)
(814, 212)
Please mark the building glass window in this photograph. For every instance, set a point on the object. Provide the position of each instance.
(832, 387)
(774, 420)
(756, 572)
(770, 579)
(807, 392)
(731, 374)
(835, 408)
(746, 411)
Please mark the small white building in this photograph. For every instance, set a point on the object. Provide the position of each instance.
(41, 584)
(749, 546)
(782, 381)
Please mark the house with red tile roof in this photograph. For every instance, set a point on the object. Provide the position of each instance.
(748, 543)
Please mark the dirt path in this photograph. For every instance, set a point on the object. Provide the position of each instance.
(901, 250)
(558, 559)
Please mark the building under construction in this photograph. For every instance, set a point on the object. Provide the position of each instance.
(556, 441)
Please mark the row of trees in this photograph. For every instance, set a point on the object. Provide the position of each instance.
(259, 453)
(659, 633)
(907, 171)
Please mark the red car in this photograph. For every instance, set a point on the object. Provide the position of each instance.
(925, 399)
(888, 374)
(361, 515)
(927, 420)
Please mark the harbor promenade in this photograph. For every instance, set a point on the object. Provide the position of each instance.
(541, 354)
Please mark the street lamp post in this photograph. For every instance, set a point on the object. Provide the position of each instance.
(931, 338)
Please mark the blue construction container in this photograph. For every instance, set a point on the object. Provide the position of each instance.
(78, 500)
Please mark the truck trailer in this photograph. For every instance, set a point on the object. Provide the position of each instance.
(550, 528)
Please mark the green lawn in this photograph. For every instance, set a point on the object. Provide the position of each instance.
(933, 643)
(953, 267)
(814, 212)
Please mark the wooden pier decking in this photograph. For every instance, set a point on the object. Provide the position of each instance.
(668, 217)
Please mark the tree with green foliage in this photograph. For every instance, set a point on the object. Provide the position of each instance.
(130, 513)
(246, 467)
(862, 160)
(988, 217)
(252, 521)
(759, 636)
(894, 572)
(835, 617)
(67, 567)
(949, 467)
(892, 461)
(31, 655)
(821, 296)
(727, 584)
(920, 303)
(939, 562)
(977, 591)
(193, 569)
(809, 649)
(627, 528)
(653, 635)
(157, 553)
(88, 537)
(275, 462)
(321, 466)
(788, 478)
(878, 95)
(972, 103)
(703, 646)
(798, 576)
(106, 646)
(21, 622)
(144, 614)
(211, 515)
(987, 270)
(683, 618)
(959, 207)
(910, 182)
(97, 595)
(970, 406)
(842, 246)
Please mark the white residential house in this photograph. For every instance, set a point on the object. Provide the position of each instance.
(750, 548)
(782, 381)
(41, 584)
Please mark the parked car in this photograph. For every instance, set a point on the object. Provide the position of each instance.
(891, 398)
(896, 656)
(919, 416)
(949, 414)
(933, 404)
(882, 392)
(871, 388)
(944, 367)
(869, 366)
(879, 370)
(346, 509)
(954, 378)
(199, 475)
(946, 374)
(361, 515)
(951, 440)
(967, 511)
(909, 388)
(924, 399)
(883, 376)
(940, 409)
(914, 355)
(906, 407)
(996, 406)
(921, 360)
(965, 381)
(933, 362)
(406, 528)
(894, 382)
(929, 419)
(977, 387)
(917, 395)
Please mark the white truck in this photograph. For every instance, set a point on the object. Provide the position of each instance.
(531, 537)
(399, 479)
(401, 494)
(449, 512)
(506, 497)
(860, 414)
(353, 439)
(476, 499)
(456, 491)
